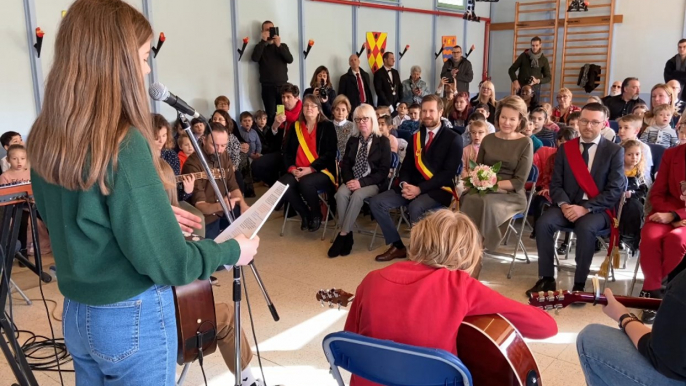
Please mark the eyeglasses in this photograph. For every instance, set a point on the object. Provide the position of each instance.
(563, 97)
(594, 124)
(362, 119)
(614, 86)
(310, 106)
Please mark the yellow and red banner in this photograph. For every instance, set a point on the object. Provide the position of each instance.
(376, 46)
(448, 43)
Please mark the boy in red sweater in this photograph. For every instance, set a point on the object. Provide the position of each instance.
(396, 302)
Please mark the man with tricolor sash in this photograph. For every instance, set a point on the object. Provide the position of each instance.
(434, 155)
(586, 187)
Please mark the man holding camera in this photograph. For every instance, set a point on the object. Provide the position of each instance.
(273, 58)
(458, 68)
(533, 67)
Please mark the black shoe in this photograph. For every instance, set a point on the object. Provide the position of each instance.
(562, 249)
(544, 284)
(598, 246)
(213, 280)
(303, 223)
(532, 235)
(348, 244)
(337, 246)
(314, 224)
(578, 287)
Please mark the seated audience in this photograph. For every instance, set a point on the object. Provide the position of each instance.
(634, 353)
(477, 131)
(435, 285)
(615, 89)
(204, 197)
(385, 125)
(411, 126)
(403, 114)
(662, 94)
(485, 110)
(198, 128)
(544, 160)
(681, 131)
(254, 151)
(321, 87)
(235, 144)
(515, 152)
(539, 117)
(268, 168)
(19, 170)
(528, 130)
(623, 104)
(223, 103)
(593, 99)
(185, 148)
(344, 127)
(676, 91)
(486, 96)
(636, 191)
(477, 115)
(529, 97)
(580, 200)
(414, 88)
(310, 155)
(564, 106)
(573, 121)
(549, 124)
(661, 132)
(426, 176)
(629, 127)
(164, 142)
(261, 124)
(457, 112)
(640, 109)
(364, 173)
(8, 139)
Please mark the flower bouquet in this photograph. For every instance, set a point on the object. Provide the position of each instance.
(483, 178)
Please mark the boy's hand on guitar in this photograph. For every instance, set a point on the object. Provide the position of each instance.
(248, 249)
(187, 220)
(188, 183)
(613, 309)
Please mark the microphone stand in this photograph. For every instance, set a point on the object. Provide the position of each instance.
(237, 271)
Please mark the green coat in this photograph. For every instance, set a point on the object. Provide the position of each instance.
(523, 64)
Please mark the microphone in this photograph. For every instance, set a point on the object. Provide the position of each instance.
(159, 92)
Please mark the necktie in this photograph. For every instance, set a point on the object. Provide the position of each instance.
(360, 88)
(361, 160)
(584, 154)
(431, 138)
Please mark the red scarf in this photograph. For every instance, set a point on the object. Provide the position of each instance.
(587, 184)
(292, 115)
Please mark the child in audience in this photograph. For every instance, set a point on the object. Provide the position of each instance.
(629, 127)
(528, 130)
(383, 110)
(608, 132)
(661, 131)
(476, 116)
(198, 128)
(549, 124)
(164, 142)
(539, 117)
(402, 116)
(640, 109)
(409, 127)
(8, 139)
(260, 126)
(254, 151)
(19, 170)
(486, 111)
(573, 120)
(631, 222)
(477, 131)
(385, 125)
(185, 148)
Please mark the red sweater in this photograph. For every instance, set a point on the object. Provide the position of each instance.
(423, 306)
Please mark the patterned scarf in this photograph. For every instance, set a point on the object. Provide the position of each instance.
(534, 58)
(361, 160)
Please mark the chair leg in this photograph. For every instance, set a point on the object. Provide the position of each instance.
(371, 243)
(285, 219)
(505, 238)
(633, 281)
(569, 245)
(326, 221)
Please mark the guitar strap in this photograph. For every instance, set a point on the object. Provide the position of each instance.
(308, 153)
(421, 166)
(585, 180)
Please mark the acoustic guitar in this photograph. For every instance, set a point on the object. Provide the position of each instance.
(556, 300)
(196, 320)
(216, 174)
(489, 345)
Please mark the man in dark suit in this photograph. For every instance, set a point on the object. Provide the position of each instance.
(354, 84)
(419, 190)
(572, 207)
(387, 83)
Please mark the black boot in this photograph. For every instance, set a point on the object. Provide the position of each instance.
(562, 249)
(544, 284)
(337, 246)
(314, 224)
(304, 223)
(347, 244)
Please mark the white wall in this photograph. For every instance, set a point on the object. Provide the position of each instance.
(197, 61)
(642, 43)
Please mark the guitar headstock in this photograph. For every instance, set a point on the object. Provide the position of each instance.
(216, 174)
(335, 296)
(553, 300)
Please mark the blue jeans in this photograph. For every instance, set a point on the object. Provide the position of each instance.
(609, 358)
(382, 203)
(133, 342)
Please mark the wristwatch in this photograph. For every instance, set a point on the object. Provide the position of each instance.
(630, 316)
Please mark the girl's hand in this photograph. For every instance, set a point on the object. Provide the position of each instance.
(188, 183)
(187, 221)
(613, 309)
(662, 218)
(248, 249)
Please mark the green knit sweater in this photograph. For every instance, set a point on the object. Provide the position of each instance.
(111, 248)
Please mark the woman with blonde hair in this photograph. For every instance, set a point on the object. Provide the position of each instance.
(662, 94)
(515, 153)
(116, 239)
(564, 106)
(364, 173)
(485, 96)
(400, 302)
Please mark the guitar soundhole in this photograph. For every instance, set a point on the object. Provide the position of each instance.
(532, 378)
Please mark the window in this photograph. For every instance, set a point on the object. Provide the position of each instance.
(452, 5)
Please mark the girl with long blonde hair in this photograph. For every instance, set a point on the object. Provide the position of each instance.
(116, 239)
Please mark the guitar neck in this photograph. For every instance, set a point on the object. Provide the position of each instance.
(198, 176)
(627, 301)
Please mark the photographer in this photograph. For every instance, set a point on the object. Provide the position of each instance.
(321, 87)
(414, 88)
(273, 58)
(533, 68)
(458, 69)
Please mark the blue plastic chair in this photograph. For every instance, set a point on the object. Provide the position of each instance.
(615, 126)
(393, 364)
(547, 142)
(533, 178)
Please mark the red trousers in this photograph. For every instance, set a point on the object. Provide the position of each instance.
(662, 248)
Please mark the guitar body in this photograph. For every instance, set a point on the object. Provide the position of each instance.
(495, 353)
(196, 321)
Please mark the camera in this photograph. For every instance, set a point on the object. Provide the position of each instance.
(273, 31)
(530, 81)
(322, 90)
